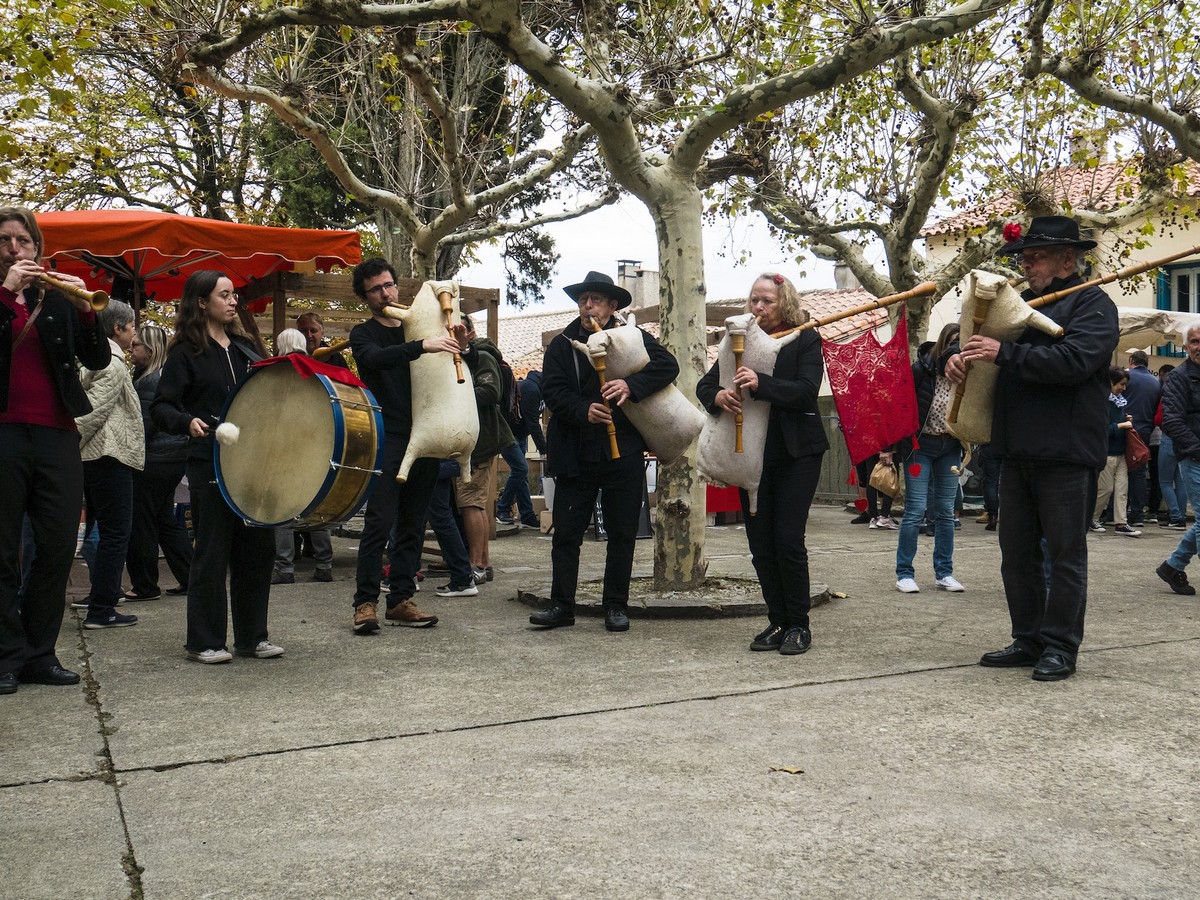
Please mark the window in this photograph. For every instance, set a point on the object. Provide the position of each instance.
(1179, 290)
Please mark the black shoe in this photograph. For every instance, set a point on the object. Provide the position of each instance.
(283, 578)
(1053, 666)
(554, 616)
(8, 683)
(615, 619)
(55, 675)
(1176, 579)
(177, 591)
(796, 641)
(532, 522)
(769, 639)
(861, 519)
(325, 575)
(1012, 656)
(135, 596)
(108, 620)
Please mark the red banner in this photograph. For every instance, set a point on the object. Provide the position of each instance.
(873, 390)
(307, 367)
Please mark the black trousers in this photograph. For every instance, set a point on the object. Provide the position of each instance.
(108, 495)
(225, 545)
(404, 507)
(1052, 501)
(776, 536)
(620, 483)
(43, 476)
(154, 526)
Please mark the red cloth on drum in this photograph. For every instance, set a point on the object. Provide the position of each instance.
(307, 367)
(873, 390)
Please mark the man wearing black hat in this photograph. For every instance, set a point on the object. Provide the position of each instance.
(578, 457)
(1049, 427)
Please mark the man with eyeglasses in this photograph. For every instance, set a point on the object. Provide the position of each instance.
(383, 357)
(1049, 426)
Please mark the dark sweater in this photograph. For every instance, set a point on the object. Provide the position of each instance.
(383, 357)
(494, 433)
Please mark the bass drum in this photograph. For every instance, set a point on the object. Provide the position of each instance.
(307, 452)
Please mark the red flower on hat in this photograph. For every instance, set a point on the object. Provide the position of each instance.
(778, 279)
(1012, 232)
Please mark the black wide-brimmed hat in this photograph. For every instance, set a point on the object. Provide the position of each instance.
(1044, 231)
(601, 284)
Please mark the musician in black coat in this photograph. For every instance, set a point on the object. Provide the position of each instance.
(578, 455)
(792, 454)
(42, 333)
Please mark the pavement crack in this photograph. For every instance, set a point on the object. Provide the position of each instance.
(107, 769)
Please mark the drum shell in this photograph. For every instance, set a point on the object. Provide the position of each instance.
(307, 451)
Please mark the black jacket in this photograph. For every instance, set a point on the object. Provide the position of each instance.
(1052, 393)
(161, 448)
(383, 357)
(531, 410)
(570, 385)
(925, 371)
(794, 424)
(197, 385)
(64, 338)
(1181, 410)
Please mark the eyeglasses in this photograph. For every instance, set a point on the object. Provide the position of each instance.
(380, 288)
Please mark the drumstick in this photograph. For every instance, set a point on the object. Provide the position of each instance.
(446, 299)
(599, 360)
(738, 340)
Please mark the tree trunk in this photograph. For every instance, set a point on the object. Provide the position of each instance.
(679, 562)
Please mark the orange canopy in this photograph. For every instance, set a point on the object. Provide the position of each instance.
(150, 254)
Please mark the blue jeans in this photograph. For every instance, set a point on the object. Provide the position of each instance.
(935, 458)
(449, 538)
(1171, 480)
(516, 489)
(1188, 544)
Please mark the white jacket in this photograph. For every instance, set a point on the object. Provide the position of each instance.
(114, 426)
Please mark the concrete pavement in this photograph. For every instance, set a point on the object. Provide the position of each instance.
(482, 758)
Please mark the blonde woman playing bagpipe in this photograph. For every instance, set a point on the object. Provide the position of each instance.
(795, 443)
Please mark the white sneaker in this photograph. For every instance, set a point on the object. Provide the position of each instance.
(262, 650)
(949, 583)
(1096, 526)
(220, 655)
(875, 522)
(907, 586)
(469, 591)
(889, 523)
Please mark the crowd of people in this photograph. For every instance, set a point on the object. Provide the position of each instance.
(75, 425)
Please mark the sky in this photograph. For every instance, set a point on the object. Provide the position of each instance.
(625, 230)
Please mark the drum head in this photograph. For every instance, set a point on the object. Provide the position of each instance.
(282, 456)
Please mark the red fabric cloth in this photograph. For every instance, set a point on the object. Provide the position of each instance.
(307, 367)
(32, 395)
(873, 390)
(725, 499)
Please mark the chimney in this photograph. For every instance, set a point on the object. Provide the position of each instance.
(843, 278)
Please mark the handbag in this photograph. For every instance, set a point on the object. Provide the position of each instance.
(885, 478)
(1137, 454)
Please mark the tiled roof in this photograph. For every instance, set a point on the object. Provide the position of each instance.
(1107, 186)
(521, 334)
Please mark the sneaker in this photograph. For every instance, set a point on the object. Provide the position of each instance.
(1095, 526)
(479, 575)
(406, 613)
(135, 596)
(366, 620)
(1127, 530)
(862, 519)
(219, 655)
(112, 620)
(447, 590)
(262, 650)
(532, 522)
(324, 575)
(1165, 523)
(889, 523)
(875, 522)
(1136, 525)
(957, 522)
(796, 641)
(1179, 526)
(908, 586)
(949, 583)
(278, 577)
(1176, 578)
(81, 603)
(769, 639)
(1151, 520)
(504, 520)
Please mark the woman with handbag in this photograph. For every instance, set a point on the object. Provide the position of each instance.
(795, 443)
(930, 458)
(1114, 479)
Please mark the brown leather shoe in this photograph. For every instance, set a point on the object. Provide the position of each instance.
(406, 613)
(366, 619)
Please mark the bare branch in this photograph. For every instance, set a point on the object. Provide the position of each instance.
(500, 229)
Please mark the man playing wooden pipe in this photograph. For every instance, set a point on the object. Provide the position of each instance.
(579, 457)
(312, 326)
(1049, 426)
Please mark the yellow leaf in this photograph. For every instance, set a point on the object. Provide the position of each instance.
(788, 769)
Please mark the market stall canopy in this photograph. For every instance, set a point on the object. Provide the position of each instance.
(1143, 328)
(150, 254)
